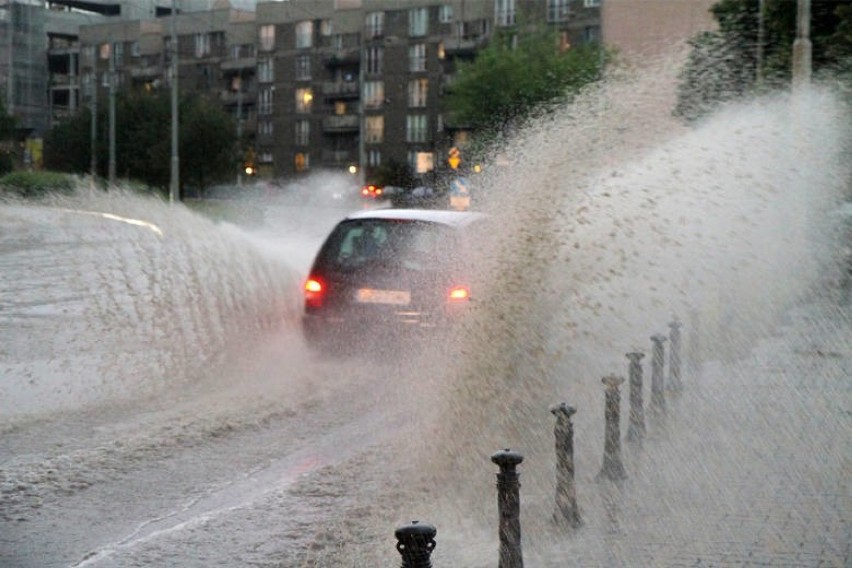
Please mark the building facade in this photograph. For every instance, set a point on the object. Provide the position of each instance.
(347, 85)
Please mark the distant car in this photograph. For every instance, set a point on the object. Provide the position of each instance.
(371, 192)
(387, 274)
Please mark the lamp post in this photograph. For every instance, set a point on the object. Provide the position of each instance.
(175, 169)
(111, 174)
(802, 46)
(240, 128)
(94, 125)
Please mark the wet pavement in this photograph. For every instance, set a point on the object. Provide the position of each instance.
(749, 466)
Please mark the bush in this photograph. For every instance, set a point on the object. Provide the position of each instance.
(34, 185)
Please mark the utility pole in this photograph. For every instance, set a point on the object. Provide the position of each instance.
(362, 121)
(112, 113)
(240, 164)
(761, 33)
(174, 191)
(802, 46)
(94, 134)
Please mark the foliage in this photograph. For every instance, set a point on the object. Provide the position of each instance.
(36, 184)
(394, 173)
(7, 132)
(723, 65)
(143, 140)
(516, 74)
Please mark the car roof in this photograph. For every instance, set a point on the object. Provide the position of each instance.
(444, 217)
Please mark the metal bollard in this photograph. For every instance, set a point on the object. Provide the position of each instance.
(674, 383)
(509, 508)
(612, 467)
(636, 425)
(415, 542)
(566, 511)
(658, 397)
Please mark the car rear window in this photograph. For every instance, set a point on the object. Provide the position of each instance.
(414, 245)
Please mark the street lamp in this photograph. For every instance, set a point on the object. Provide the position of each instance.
(175, 170)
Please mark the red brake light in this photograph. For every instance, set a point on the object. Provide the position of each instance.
(313, 291)
(459, 294)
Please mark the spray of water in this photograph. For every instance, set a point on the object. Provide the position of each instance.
(109, 296)
(613, 220)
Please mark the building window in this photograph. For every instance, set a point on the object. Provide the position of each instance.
(265, 128)
(135, 50)
(504, 12)
(417, 57)
(202, 45)
(105, 51)
(304, 34)
(375, 57)
(418, 90)
(304, 98)
(418, 22)
(375, 24)
(265, 70)
(375, 129)
(118, 54)
(557, 10)
(416, 129)
(301, 162)
(591, 3)
(264, 101)
(303, 132)
(592, 34)
(267, 37)
(374, 94)
(374, 158)
(326, 28)
(265, 158)
(445, 14)
(303, 67)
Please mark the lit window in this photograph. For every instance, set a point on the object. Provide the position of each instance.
(374, 94)
(302, 161)
(304, 98)
(267, 37)
(375, 127)
(557, 10)
(504, 12)
(418, 22)
(417, 57)
(418, 90)
(416, 129)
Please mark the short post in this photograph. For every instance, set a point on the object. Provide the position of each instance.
(415, 542)
(636, 425)
(674, 383)
(658, 398)
(612, 468)
(566, 511)
(509, 508)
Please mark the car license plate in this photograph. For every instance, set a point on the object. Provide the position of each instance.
(372, 296)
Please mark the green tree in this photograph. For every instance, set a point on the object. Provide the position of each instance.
(518, 73)
(723, 65)
(7, 135)
(143, 141)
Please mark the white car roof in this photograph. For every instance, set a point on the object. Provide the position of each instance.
(444, 217)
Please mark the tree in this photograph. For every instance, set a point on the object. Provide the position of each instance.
(723, 65)
(518, 73)
(143, 140)
(7, 133)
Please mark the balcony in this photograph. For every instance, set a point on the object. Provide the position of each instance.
(341, 90)
(465, 45)
(342, 57)
(146, 73)
(341, 123)
(338, 157)
(239, 64)
(230, 98)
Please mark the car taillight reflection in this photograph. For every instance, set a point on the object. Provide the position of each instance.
(459, 294)
(314, 291)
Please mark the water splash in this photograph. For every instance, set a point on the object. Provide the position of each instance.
(108, 296)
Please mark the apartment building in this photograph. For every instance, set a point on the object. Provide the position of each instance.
(344, 85)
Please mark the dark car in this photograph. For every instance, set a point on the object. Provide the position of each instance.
(385, 274)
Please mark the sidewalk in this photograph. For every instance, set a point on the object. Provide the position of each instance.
(750, 466)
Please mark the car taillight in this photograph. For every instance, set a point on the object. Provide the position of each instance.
(459, 294)
(314, 290)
